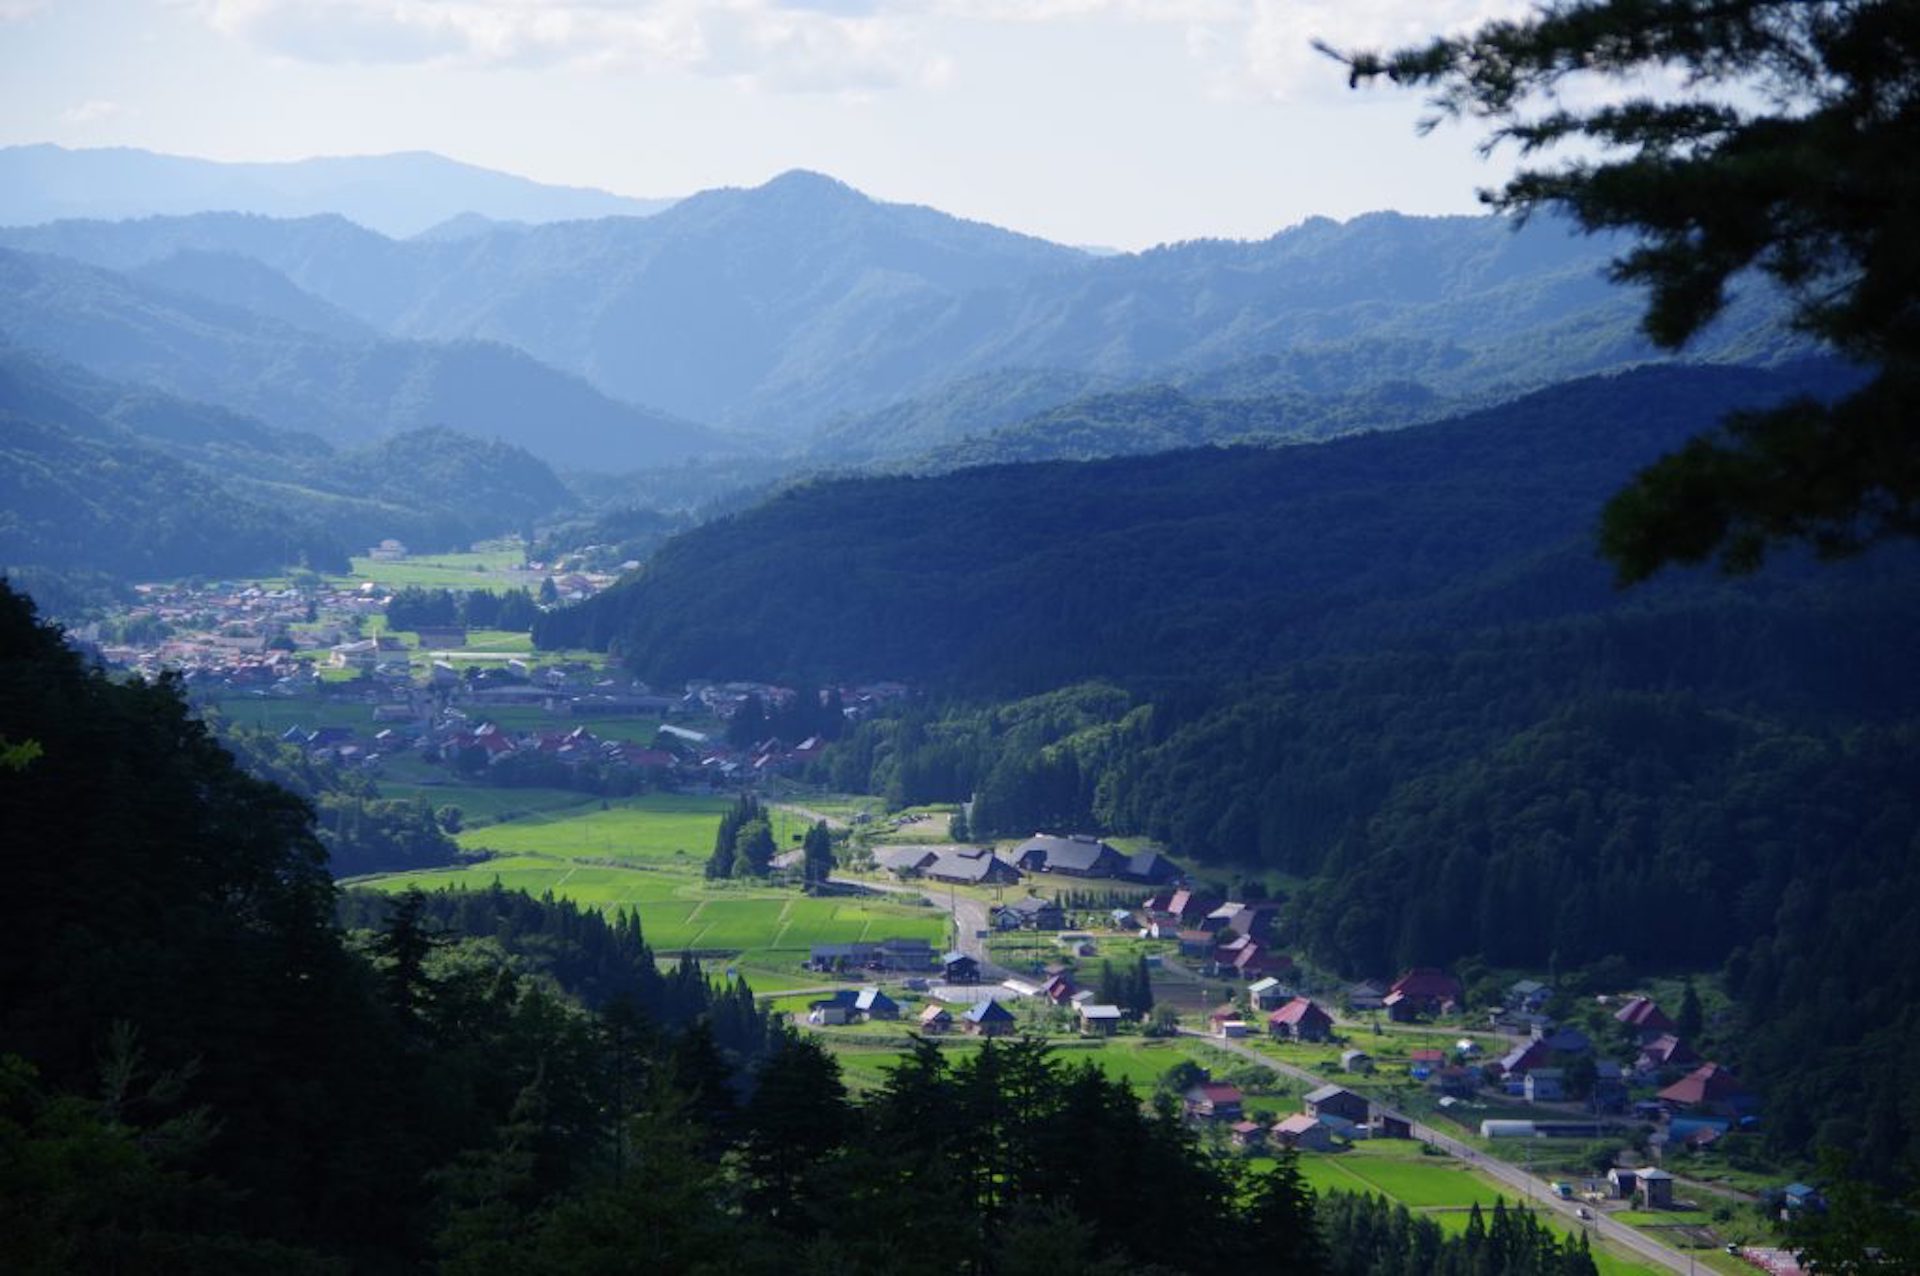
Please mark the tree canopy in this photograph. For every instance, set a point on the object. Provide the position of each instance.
(1784, 148)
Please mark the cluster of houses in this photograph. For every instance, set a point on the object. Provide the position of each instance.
(1328, 1114)
(985, 1014)
(1077, 855)
(1225, 938)
(1698, 1100)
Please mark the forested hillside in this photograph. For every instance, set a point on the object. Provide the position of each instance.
(128, 481)
(1208, 563)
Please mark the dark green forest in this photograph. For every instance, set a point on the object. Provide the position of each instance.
(1203, 564)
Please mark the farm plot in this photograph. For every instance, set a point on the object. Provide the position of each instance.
(659, 828)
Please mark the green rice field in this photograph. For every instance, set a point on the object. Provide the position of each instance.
(663, 829)
(647, 854)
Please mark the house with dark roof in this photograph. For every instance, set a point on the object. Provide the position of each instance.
(1031, 913)
(1078, 855)
(988, 1019)
(903, 860)
(1528, 996)
(885, 954)
(873, 1004)
(1098, 1021)
(1338, 1102)
(1566, 1040)
(1151, 867)
(1366, 995)
(1545, 1085)
(958, 968)
(970, 866)
(833, 1011)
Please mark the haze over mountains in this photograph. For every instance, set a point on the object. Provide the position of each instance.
(400, 194)
(795, 326)
(802, 303)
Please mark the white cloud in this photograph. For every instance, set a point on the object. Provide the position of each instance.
(1268, 52)
(1250, 49)
(90, 111)
(796, 45)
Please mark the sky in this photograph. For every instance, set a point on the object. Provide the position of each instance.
(1120, 123)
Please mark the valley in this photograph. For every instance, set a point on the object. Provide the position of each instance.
(667, 710)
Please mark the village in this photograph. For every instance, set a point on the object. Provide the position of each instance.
(1600, 1106)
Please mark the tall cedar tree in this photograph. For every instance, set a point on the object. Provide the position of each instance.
(1789, 153)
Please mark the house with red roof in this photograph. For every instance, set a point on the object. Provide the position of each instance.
(1708, 1088)
(1300, 1020)
(1213, 1101)
(1423, 992)
(1642, 1016)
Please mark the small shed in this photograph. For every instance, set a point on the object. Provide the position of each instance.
(1356, 1061)
(1656, 1189)
(935, 1020)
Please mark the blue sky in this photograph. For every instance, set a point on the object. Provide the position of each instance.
(1118, 122)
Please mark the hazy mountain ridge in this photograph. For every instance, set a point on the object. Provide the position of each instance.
(91, 463)
(800, 305)
(348, 391)
(396, 194)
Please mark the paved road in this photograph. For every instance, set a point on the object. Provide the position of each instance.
(970, 917)
(1535, 1189)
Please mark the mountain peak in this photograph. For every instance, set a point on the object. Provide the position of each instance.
(806, 181)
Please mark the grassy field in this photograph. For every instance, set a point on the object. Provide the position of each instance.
(660, 828)
(865, 1058)
(490, 569)
(1438, 1187)
(484, 805)
(647, 854)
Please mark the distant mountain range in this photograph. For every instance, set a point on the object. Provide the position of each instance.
(226, 330)
(399, 195)
(802, 306)
(101, 476)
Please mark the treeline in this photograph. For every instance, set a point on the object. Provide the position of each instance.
(808, 714)
(417, 608)
(1370, 1236)
(361, 831)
